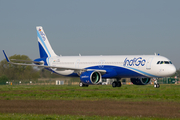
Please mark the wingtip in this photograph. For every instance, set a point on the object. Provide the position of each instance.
(6, 56)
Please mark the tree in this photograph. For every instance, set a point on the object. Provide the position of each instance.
(178, 72)
(18, 72)
(3, 79)
(47, 74)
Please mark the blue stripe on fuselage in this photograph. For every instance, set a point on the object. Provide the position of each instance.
(143, 72)
(119, 72)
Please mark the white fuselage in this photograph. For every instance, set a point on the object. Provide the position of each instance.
(124, 66)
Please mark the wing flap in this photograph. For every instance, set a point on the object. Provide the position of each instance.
(27, 61)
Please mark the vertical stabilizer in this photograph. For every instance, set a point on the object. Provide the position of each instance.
(45, 48)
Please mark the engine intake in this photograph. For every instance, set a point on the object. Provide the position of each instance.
(140, 81)
(91, 77)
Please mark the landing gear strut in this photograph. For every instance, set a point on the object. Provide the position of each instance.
(116, 83)
(156, 84)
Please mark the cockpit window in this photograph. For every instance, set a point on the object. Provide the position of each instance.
(164, 62)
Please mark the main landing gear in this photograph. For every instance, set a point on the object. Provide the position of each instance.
(116, 83)
(82, 84)
(156, 84)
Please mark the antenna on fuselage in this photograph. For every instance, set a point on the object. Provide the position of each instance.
(156, 54)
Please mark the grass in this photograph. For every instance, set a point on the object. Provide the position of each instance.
(126, 92)
(52, 92)
(17, 116)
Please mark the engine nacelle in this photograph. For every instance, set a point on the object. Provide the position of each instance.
(91, 77)
(140, 81)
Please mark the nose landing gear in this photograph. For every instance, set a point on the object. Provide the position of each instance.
(156, 84)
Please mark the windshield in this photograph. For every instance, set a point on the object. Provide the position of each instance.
(164, 62)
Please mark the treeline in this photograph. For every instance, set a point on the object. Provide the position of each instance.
(19, 72)
(178, 73)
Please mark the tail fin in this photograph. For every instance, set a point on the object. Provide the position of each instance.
(45, 48)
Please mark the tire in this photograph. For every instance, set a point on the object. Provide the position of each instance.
(114, 84)
(81, 84)
(118, 84)
(158, 85)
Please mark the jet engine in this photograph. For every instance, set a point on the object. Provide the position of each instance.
(91, 77)
(140, 81)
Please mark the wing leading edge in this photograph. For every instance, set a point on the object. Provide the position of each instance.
(46, 66)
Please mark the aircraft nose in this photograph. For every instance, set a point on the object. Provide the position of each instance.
(172, 70)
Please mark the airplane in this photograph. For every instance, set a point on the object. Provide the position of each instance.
(92, 69)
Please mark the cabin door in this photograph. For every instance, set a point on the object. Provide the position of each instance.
(148, 64)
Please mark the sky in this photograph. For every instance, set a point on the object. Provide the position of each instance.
(92, 27)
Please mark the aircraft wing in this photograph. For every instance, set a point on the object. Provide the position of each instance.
(27, 61)
(46, 66)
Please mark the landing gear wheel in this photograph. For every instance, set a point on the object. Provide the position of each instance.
(118, 84)
(114, 84)
(86, 85)
(82, 85)
(156, 85)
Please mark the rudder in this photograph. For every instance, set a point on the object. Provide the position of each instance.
(45, 48)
